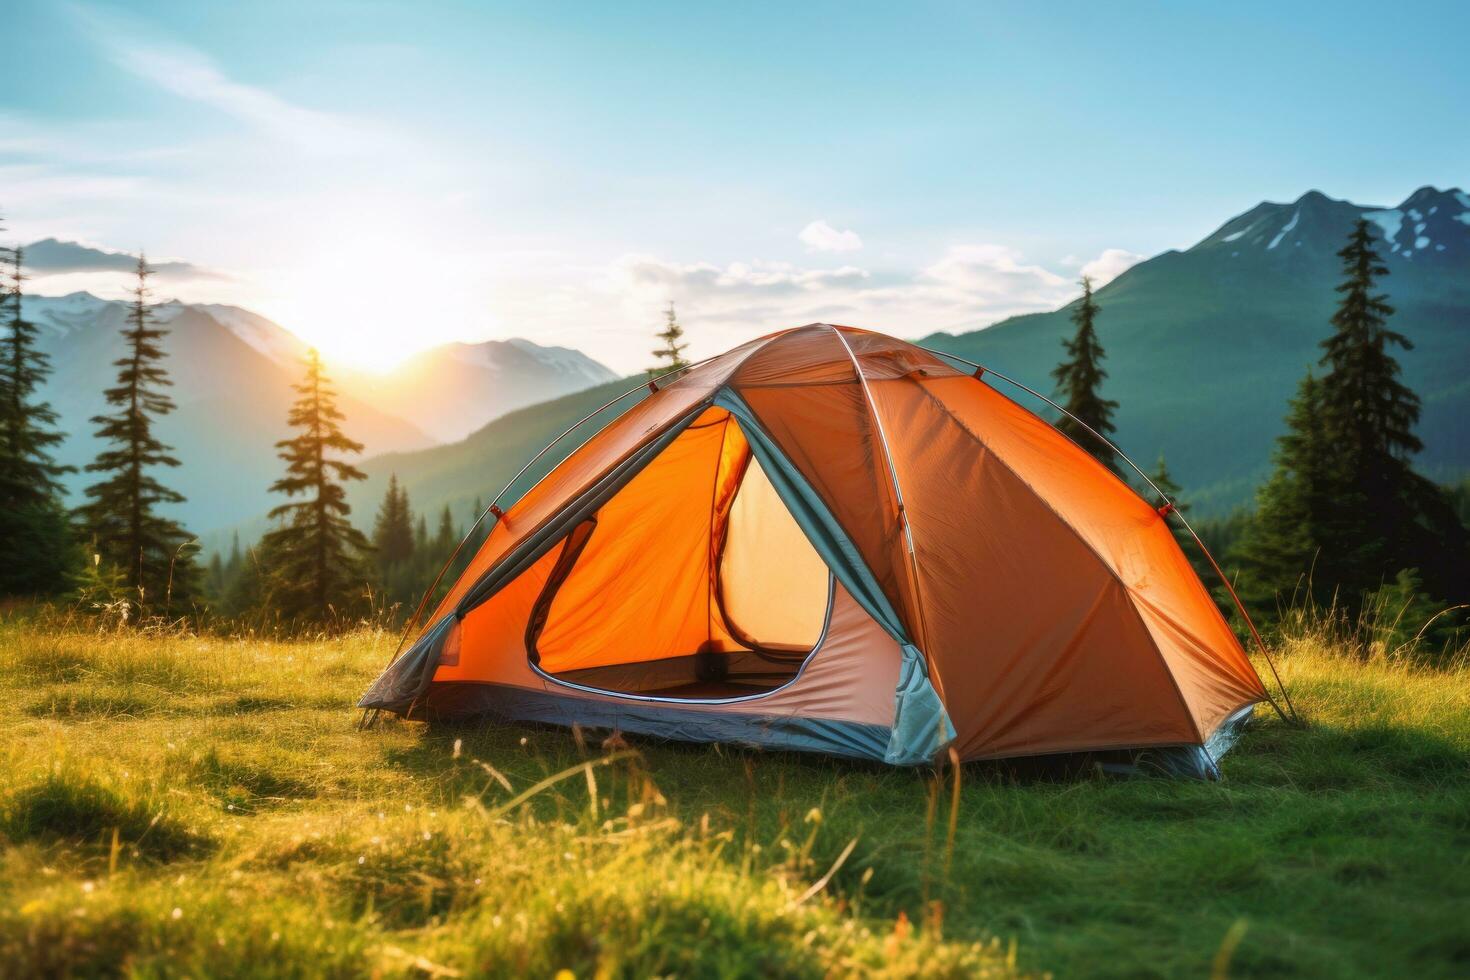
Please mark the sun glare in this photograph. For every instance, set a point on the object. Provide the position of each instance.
(371, 301)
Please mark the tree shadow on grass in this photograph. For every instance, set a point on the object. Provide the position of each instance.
(1377, 756)
(62, 809)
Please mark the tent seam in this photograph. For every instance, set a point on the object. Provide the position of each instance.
(857, 370)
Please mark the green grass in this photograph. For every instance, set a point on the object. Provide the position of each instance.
(175, 805)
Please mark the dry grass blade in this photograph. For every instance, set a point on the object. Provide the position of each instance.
(495, 774)
(822, 882)
(954, 812)
(555, 778)
(420, 963)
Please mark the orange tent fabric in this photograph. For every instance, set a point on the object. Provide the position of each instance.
(927, 565)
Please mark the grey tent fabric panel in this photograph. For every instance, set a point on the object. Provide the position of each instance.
(408, 677)
(921, 726)
(789, 732)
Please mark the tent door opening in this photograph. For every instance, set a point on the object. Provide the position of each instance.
(692, 583)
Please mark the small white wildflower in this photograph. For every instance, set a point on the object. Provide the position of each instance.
(428, 835)
(177, 913)
(458, 745)
(524, 740)
(362, 859)
(87, 887)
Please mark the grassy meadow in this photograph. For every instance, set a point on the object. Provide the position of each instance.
(173, 804)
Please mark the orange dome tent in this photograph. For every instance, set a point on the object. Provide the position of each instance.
(831, 540)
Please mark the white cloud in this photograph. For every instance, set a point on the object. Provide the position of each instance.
(989, 274)
(969, 286)
(822, 237)
(1108, 266)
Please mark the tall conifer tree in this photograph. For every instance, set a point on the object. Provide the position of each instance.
(393, 528)
(122, 517)
(1280, 547)
(670, 352)
(1390, 517)
(33, 524)
(1079, 382)
(447, 536)
(28, 472)
(316, 558)
(1345, 503)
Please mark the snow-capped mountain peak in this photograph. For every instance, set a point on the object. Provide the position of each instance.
(1430, 225)
(63, 315)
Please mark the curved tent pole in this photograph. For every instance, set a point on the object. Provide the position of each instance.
(897, 491)
(1167, 509)
(652, 384)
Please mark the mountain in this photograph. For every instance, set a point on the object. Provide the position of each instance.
(232, 399)
(233, 370)
(476, 468)
(451, 391)
(1205, 346)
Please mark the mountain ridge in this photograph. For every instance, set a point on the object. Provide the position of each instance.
(1205, 345)
(233, 370)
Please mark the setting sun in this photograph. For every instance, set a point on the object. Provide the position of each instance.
(370, 298)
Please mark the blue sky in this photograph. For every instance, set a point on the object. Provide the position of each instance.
(383, 176)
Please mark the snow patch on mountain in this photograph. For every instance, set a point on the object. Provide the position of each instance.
(63, 315)
(1235, 235)
(565, 360)
(262, 335)
(1390, 222)
(1295, 217)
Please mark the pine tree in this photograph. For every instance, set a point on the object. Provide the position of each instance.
(315, 558)
(670, 353)
(1390, 518)
(28, 473)
(236, 559)
(1279, 549)
(1079, 383)
(127, 532)
(421, 535)
(39, 545)
(393, 528)
(214, 580)
(447, 536)
(1344, 506)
